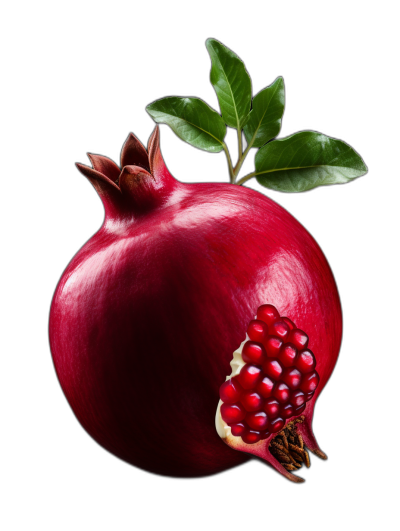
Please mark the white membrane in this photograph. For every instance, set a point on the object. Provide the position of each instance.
(237, 363)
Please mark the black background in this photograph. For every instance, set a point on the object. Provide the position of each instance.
(95, 83)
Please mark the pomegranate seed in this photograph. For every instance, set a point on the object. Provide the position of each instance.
(286, 411)
(309, 382)
(272, 368)
(232, 414)
(267, 313)
(254, 353)
(257, 331)
(305, 361)
(264, 388)
(271, 408)
(279, 329)
(273, 346)
(291, 377)
(230, 391)
(282, 393)
(276, 425)
(251, 401)
(290, 323)
(257, 421)
(298, 338)
(251, 436)
(287, 355)
(309, 396)
(237, 429)
(275, 383)
(300, 409)
(297, 398)
(249, 376)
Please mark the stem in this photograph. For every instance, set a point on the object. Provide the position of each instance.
(246, 178)
(240, 150)
(241, 160)
(231, 173)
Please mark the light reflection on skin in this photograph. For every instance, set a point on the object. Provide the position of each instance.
(290, 282)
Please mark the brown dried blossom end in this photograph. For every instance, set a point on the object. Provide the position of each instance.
(288, 447)
(289, 467)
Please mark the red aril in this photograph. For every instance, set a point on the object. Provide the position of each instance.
(257, 331)
(288, 322)
(309, 382)
(291, 377)
(230, 391)
(267, 313)
(298, 338)
(251, 401)
(297, 398)
(238, 429)
(257, 421)
(275, 425)
(305, 362)
(271, 407)
(249, 376)
(157, 300)
(281, 392)
(232, 414)
(286, 411)
(273, 346)
(264, 387)
(254, 353)
(251, 436)
(279, 329)
(287, 355)
(273, 369)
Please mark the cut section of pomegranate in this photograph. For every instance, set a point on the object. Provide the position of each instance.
(277, 391)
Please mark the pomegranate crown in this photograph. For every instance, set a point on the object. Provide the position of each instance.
(141, 182)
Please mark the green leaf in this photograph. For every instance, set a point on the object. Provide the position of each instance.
(265, 118)
(192, 120)
(231, 83)
(306, 160)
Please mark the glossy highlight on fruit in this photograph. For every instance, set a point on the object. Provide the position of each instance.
(146, 316)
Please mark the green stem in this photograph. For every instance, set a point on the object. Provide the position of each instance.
(231, 173)
(240, 150)
(246, 178)
(236, 169)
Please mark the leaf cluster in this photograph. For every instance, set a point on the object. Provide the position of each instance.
(296, 163)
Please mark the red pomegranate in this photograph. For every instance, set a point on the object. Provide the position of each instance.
(147, 314)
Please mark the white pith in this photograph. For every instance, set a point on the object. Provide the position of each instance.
(237, 363)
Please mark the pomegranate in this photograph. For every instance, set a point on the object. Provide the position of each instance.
(146, 316)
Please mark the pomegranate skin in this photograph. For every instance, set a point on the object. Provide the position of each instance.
(146, 316)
